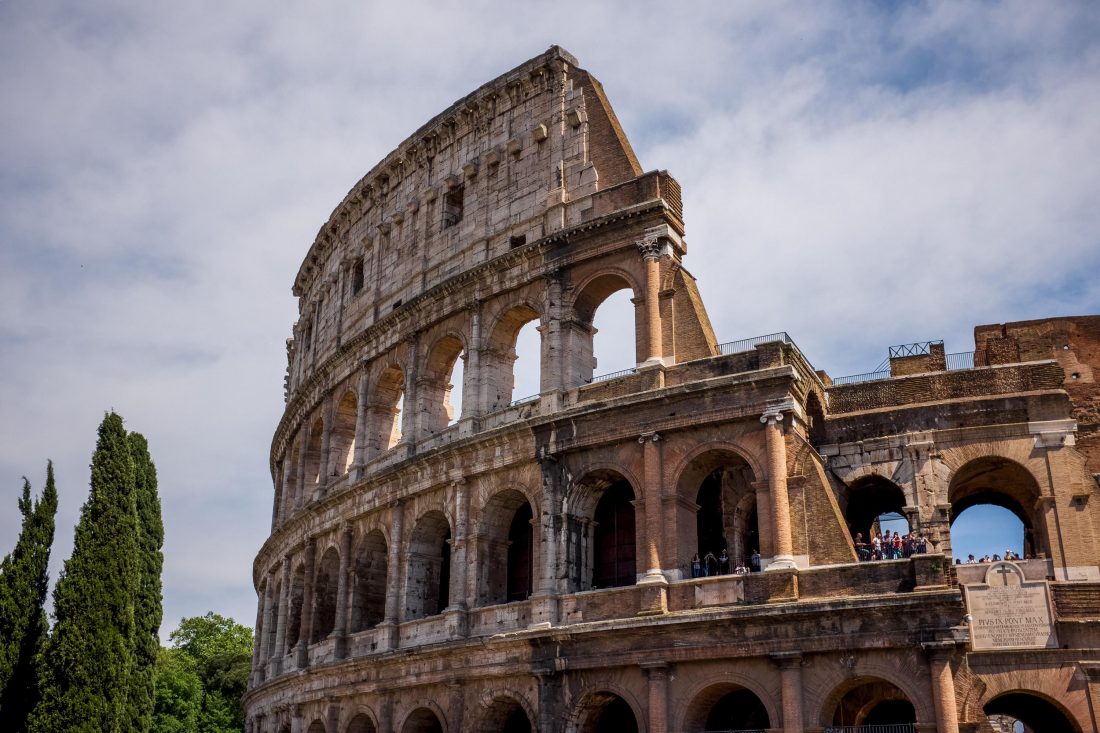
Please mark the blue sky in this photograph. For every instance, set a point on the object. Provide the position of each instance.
(858, 175)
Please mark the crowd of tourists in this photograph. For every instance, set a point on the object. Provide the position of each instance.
(890, 546)
(711, 564)
(971, 560)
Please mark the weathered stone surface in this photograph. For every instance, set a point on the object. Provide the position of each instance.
(527, 564)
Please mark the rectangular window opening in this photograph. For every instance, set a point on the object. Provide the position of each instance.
(452, 206)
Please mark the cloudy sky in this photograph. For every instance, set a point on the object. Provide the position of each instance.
(858, 175)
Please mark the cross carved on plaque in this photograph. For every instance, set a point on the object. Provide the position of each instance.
(1004, 571)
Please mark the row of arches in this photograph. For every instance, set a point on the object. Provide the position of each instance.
(445, 383)
(860, 703)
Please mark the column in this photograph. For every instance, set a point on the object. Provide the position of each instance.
(394, 571)
(651, 492)
(288, 483)
(340, 631)
(385, 711)
(471, 372)
(269, 612)
(553, 360)
(324, 470)
(258, 636)
(790, 672)
(657, 672)
(284, 600)
(303, 445)
(359, 454)
(777, 487)
(305, 628)
(460, 547)
(943, 685)
(409, 418)
(650, 248)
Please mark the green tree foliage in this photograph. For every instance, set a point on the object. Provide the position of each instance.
(220, 653)
(178, 693)
(88, 660)
(23, 585)
(147, 600)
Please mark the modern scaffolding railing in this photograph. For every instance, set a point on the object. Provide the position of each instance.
(736, 347)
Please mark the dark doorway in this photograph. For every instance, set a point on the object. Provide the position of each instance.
(614, 538)
(520, 538)
(738, 710)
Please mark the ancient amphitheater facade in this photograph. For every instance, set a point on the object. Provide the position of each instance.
(526, 565)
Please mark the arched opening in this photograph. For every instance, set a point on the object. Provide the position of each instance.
(993, 481)
(614, 540)
(871, 701)
(429, 572)
(270, 628)
(313, 459)
(989, 530)
(342, 440)
(505, 715)
(316, 727)
(386, 404)
(607, 712)
(873, 505)
(325, 586)
(294, 607)
(361, 723)
(505, 548)
(422, 720)
(602, 337)
(293, 498)
(1033, 713)
(815, 419)
(726, 707)
(440, 390)
(512, 363)
(368, 602)
(720, 482)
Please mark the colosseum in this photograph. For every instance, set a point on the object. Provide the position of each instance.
(685, 545)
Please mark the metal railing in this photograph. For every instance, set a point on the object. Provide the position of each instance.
(524, 400)
(884, 728)
(612, 375)
(861, 378)
(736, 347)
(738, 730)
(920, 348)
(960, 360)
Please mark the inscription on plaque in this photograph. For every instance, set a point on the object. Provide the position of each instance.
(1008, 612)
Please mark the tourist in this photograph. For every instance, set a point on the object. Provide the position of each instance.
(876, 547)
(723, 563)
(970, 559)
(696, 566)
(922, 544)
(862, 551)
(710, 565)
(755, 561)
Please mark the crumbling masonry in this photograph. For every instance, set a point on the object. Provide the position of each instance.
(525, 565)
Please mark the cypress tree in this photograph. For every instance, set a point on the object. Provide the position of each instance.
(88, 659)
(23, 583)
(147, 602)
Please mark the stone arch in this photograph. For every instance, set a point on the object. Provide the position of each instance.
(506, 548)
(426, 718)
(1003, 482)
(293, 498)
(720, 482)
(694, 706)
(427, 580)
(384, 408)
(815, 418)
(607, 708)
(868, 498)
(317, 726)
(579, 332)
(342, 438)
(434, 388)
(361, 722)
(505, 712)
(325, 585)
(270, 628)
(873, 699)
(314, 439)
(294, 606)
(726, 706)
(602, 538)
(1036, 711)
(369, 571)
(498, 357)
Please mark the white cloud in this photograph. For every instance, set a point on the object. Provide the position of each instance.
(856, 175)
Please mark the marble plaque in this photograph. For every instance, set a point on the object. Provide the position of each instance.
(1008, 612)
